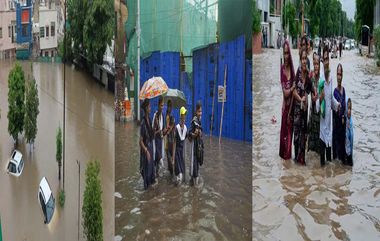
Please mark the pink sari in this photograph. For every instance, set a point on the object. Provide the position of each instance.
(286, 133)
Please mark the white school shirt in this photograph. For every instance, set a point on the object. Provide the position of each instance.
(161, 126)
(325, 126)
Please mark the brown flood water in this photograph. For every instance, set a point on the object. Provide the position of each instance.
(219, 209)
(89, 135)
(292, 202)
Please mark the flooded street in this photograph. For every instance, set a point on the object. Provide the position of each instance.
(219, 209)
(292, 202)
(89, 135)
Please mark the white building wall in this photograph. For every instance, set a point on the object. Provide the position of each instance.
(8, 29)
(275, 29)
(263, 5)
(377, 13)
(48, 18)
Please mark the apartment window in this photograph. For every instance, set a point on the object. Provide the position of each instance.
(24, 30)
(42, 32)
(47, 31)
(13, 31)
(52, 29)
(1, 32)
(11, 5)
(9, 31)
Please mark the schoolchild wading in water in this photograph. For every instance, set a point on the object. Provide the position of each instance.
(169, 132)
(196, 144)
(180, 137)
(158, 127)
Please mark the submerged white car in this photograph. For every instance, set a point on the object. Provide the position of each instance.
(347, 45)
(16, 164)
(353, 43)
(46, 200)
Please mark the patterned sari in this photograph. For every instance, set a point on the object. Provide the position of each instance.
(286, 132)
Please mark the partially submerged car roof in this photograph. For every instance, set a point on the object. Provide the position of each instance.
(44, 186)
(16, 156)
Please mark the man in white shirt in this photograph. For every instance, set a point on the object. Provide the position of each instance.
(325, 131)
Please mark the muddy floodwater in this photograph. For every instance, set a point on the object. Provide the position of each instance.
(219, 209)
(89, 135)
(292, 202)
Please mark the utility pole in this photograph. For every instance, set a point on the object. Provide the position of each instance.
(302, 18)
(138, 60)
(64, 95)
(78, 163)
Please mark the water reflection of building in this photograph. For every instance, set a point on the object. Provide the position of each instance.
(7, 29)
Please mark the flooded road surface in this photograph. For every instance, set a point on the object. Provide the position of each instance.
(292, 202)
(89, 135)
(219, 209)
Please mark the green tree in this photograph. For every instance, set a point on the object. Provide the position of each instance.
(92, 213)
(98, 30)
(364, 15)
(348, 27)
(327, 19)
(289, 16)
(16, 99)
(31, 111)
(58, 155)
(61, 198)
(69, 56)
(376, 34)
(76, 15)
(256, 26)
(90, 29)
(314, 15)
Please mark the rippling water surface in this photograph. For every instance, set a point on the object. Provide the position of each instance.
(219, 209)
(292, 202)
(89, 135)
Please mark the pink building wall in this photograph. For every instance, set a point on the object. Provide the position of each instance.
(7, 48)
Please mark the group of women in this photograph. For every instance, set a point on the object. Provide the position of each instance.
(311, 127)
(162, 137)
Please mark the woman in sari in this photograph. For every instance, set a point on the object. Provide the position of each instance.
(146, 148)
(313, 125)
(303, 87)
(287, 82)
(339, 120)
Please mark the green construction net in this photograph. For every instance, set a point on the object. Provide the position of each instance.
(170, 25)
(234, 20)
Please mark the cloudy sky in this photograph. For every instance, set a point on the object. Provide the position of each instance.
(349, 7)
